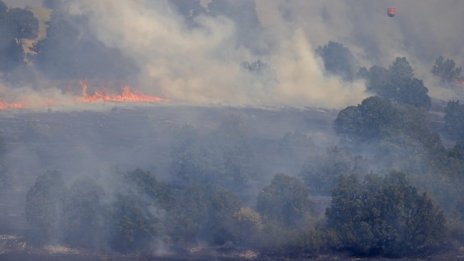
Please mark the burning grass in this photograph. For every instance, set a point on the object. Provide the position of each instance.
(99, 96)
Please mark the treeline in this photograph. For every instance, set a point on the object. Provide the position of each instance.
(375, 216)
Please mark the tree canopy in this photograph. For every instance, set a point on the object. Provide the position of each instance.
(338, 60)
(447, 70)
(384, 216)
(397, 83)
(285, 200)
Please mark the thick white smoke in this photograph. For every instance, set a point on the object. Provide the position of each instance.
(422, 30)
(204, 64)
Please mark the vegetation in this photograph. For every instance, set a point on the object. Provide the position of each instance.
(338, 60)
(447, 70)
(397, 83)
(15, 24)
(454, 119)
(44, 206)
(384, 216)
(284, 201)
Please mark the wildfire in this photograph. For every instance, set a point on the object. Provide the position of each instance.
(126, 95)
(102, 95)
(12, 105)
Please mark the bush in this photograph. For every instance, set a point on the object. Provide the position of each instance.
(285, 200)
(384, 216)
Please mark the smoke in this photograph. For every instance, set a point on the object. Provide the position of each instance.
(421, 30)
(193, 52)
(203, 64)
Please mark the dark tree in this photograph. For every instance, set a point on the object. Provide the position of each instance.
(15, 24)
(366, 122)
(3, 8)
(44, 206)
(454, 119)
(70, 51)
(84, 215)
(338, 60)
(191, 161)
(136, 215)
(223, 158)
(145, 183)
(285, 200)
(134, 223)
(23, 23)
(397, 83)
(446, 70)
(204, 213)
(384, 216)
(320, 172)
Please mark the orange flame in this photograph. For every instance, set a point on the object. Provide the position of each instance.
(11, 106)
(99, 96)
(126, 96)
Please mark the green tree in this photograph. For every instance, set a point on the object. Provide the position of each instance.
(384, 216)
(285, 200)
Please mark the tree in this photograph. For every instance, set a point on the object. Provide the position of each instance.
(454, 119)
(84, 215)
(384, 216)
(143, 182)
(193, 162)
(70, 52)
(44, 206)
(285, 200)
(136, 215)
(401, 70)
(204, 213)
(15, 24)
(338, 60)
(3, 8)
(23, 23)
(222, 158)
(248, 223)
(397, 83)
(134, 223)
(446, 70)
(320, 172)
(367, 121)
